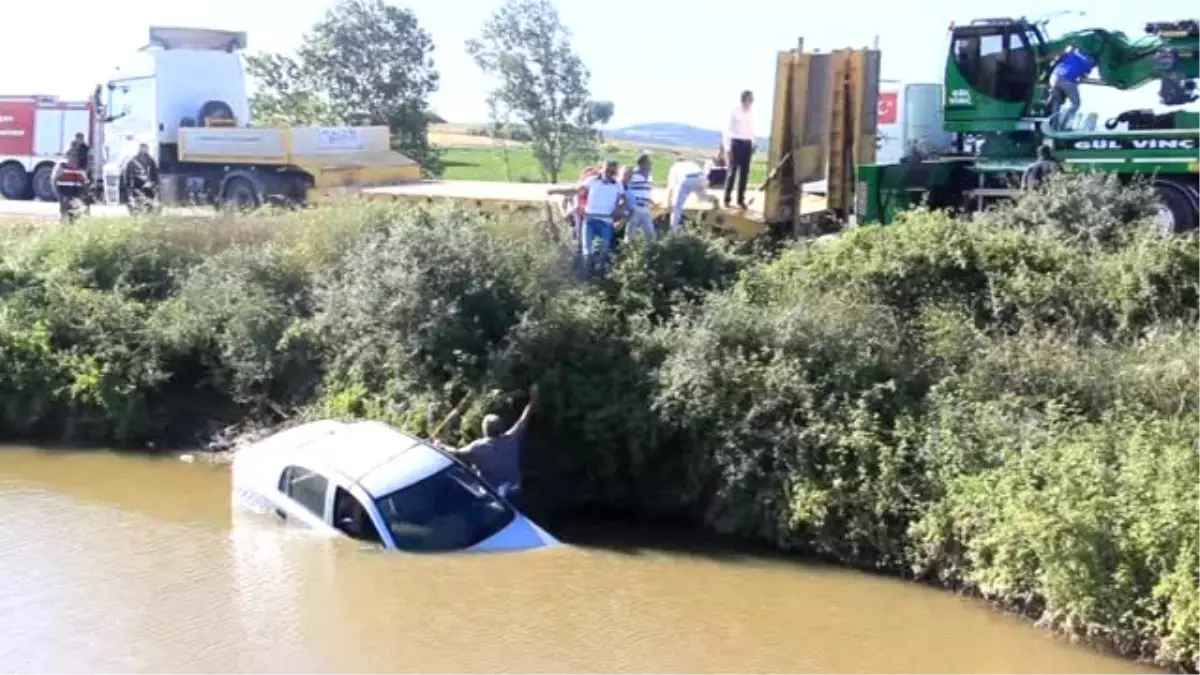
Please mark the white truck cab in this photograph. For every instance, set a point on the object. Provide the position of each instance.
(184, 95)
(185, 77)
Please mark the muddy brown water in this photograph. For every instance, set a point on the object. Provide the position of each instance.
(114, 563)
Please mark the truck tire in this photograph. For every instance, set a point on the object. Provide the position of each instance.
(43, 187)
(240, 194)
(14, 182)
(216, 110)
(1177, 211)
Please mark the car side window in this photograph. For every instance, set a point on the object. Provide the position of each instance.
(351, 517)
(306, 487)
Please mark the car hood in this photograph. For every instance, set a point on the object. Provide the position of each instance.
(522, 533)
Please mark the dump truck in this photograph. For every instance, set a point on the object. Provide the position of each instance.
(184, 96)
(997, 111)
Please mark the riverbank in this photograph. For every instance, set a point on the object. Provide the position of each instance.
(1006, 406)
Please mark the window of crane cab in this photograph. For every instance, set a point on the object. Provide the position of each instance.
(996, 61)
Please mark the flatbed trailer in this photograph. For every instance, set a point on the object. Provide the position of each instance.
(498, 197)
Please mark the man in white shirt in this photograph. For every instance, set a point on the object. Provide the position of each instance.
(739, 138)
(640, 197)
(605, 195)
(683, 180)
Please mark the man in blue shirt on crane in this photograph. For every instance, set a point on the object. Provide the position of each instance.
(1071, 67)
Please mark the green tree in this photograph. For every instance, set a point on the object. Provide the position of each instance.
(600, 113)
(526, 48)
(286, 95)
(365, 62)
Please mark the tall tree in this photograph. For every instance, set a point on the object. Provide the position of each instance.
(600, 113)
(526, 49)
(286, 95)
(365, 62)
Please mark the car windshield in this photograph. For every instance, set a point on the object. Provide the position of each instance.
(448, 511)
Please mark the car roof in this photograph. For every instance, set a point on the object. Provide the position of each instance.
(379, 457)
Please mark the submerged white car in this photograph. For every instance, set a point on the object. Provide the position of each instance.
(375, 483)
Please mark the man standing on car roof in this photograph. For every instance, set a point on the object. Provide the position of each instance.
(497, 456)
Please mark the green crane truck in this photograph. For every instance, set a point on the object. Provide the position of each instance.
(997, 109)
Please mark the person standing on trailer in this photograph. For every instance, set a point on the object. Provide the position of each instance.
(639, 196)
(683, 180)
(739, 138)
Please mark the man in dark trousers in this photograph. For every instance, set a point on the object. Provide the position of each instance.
(739, 138)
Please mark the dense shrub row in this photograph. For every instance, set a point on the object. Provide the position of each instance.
(1007, 405)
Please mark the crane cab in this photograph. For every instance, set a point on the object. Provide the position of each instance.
(992, 75)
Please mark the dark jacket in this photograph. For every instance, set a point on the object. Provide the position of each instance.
(141, 170)
(1037, 173)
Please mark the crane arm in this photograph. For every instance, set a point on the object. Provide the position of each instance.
(1167, 53)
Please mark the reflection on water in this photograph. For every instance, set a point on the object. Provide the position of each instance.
(116, 563)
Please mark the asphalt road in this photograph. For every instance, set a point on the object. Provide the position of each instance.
(35, 210)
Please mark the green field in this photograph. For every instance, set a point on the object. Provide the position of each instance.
(487, 164)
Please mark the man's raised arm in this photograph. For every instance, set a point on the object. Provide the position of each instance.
(522, 423)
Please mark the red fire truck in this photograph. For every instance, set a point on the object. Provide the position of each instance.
(35, 131)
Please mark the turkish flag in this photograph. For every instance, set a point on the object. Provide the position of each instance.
(888, 103)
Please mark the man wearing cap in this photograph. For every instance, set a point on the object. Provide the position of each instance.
(639, 192)
(497, 456)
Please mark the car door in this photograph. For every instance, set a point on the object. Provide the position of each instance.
(366, 525)
(307, 496)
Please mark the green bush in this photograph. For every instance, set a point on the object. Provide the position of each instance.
(1006, 405)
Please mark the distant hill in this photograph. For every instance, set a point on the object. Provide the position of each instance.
(671, 134)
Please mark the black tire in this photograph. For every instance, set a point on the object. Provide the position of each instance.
(14, 182)
(43, 187)
(1180, 211)
(215, 110)
(240, 194)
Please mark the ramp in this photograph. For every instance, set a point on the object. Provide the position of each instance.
(824, 123)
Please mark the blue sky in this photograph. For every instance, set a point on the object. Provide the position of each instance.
(666, 60)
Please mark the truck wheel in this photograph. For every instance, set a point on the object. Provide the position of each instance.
(14, 182)
(1178, 211)
(43, 188)
(240, 195)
